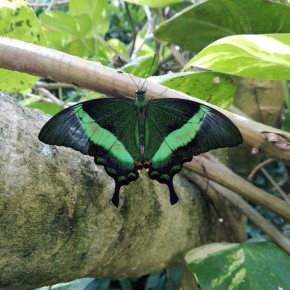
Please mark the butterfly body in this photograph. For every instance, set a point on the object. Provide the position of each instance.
(126, 136)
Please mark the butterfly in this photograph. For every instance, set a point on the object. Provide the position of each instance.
(126, 136)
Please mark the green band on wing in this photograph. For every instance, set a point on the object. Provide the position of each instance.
(179, 138)
(103, 138)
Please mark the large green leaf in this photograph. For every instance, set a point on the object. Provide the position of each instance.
(252, 56)
(215, 88)
(154, 3)
(199, 25)
(18, 21)
(98, 12)
(78, 25)
(259, 266)
(69, 33)
(81, 31)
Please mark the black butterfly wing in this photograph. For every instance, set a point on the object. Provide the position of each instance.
(103, 128)
(179, 129)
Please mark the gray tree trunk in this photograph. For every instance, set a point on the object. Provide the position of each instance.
(57, 222)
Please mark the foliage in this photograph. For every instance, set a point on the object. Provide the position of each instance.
(240, 266)
(18, 21)
(223, 33)
(215, 19)
(253, 56)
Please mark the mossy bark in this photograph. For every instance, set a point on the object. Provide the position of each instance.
(57, 222)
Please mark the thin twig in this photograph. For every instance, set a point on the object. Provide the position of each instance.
(51, 4)
(58, 3)
(52, 86)
(132, 27)
(149, 29)
(276, 186)
(257, 168)
(177, 55)
(255, 217)
(46, 93)
(250, 212)
(219, 173)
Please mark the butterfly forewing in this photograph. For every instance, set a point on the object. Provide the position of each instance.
(103, 128)
(179, 129)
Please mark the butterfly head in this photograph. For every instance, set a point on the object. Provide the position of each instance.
(140, 94)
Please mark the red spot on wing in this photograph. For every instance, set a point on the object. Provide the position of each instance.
(146, 164)
(139, 165)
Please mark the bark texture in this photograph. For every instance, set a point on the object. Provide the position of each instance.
(57, 223)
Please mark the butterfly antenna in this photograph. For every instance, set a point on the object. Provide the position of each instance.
(127, 72)
(154, 57)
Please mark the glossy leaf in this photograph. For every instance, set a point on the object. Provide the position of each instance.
(215, 88)
(240, 266)
(252, 56)
(18, 21)
(199, 25)
(154, 3)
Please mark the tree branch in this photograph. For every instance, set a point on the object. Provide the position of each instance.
(69, 69)
(205, 165)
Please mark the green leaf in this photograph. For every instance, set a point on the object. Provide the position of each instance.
(155, 3)
(126, 284)
(141, 66)
(240, 266)
(47, 108)
(199, 25)
(174, 277)
(118, 46)
(84, 283)
(156, 281)
(286, 121)
(79, 25)
(97, 11)
(18, 21)
(29, 101)
(69, 33)
(215, 88)
(252, 56)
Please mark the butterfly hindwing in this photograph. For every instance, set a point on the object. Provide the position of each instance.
(103, 128)
(179, 129)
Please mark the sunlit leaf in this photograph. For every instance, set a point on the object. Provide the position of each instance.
(18, 21)
(252, 56)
